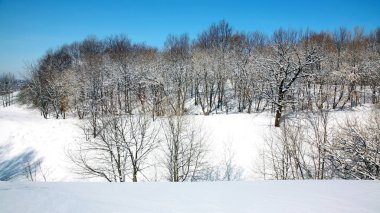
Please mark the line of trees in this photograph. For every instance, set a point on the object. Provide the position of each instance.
(221, 70)
(7, 88)
(128, 147)
(309, 148)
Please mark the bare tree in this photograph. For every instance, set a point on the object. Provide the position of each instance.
(121, 148)
(319, 141)
(285, 153)
(143, 139)
(185, 150)
(291, 57)
(355, 150)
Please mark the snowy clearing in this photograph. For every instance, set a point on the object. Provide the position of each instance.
(24, 130)
(259, 196)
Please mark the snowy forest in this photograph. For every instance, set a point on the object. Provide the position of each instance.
(221, 71)
(135, 99)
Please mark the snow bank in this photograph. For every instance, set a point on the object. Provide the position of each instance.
(259, 196)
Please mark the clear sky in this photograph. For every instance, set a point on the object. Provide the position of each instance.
(29, 27)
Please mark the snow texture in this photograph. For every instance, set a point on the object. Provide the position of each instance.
(259, 196)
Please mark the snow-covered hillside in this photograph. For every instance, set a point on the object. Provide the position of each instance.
(218, 197)
(25, 134)
(24, 130)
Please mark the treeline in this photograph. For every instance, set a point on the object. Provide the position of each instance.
(319, 146)
(8, 85)
(222, 70)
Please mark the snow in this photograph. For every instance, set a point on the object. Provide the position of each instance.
(244, 132)
(256, 196)
(24, 129)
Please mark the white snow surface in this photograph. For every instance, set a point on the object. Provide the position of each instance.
(25, 129)
(254, 196)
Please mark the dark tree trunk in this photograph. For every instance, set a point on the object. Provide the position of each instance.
(278, 116)
(279, 109)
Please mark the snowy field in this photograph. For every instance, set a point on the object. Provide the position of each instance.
(218, 197)
(25, 133)
(24, 130)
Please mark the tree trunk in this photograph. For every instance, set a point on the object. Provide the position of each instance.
(279, 108)
(278, 116)
(134, 179)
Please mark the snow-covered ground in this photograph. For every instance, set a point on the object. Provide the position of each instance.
(23, 130)
(218, 197)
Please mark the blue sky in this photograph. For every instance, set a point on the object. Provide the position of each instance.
(29, 27)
